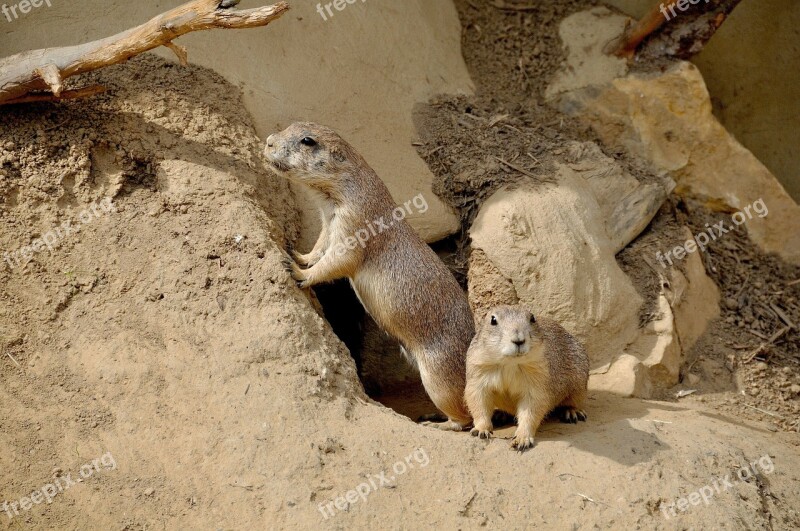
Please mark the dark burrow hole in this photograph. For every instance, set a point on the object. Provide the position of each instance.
(383, 370)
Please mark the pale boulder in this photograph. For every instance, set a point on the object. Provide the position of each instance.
(550, 243)
(552, 247)
(687, 303)
(626, 205)
(585, 35)
(666, 118)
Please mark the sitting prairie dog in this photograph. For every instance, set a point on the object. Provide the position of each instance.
(527, 367)
(399, 280)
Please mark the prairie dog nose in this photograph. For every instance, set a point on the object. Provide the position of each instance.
(518, 342)
(271, 140)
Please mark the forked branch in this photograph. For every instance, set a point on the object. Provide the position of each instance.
(39, 75)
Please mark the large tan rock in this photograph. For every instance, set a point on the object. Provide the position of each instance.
(754, 93)
(626, 205)
(550, 242)
(360, 71)
(553, 247)
(693, 297)
(665, 118)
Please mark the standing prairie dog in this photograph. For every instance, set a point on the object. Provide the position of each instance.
(526, 367)
(399, 280)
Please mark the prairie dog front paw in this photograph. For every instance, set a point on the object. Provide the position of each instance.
(482, 434)
(522, 442)
(306, 260)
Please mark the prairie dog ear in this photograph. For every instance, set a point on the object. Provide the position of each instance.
(338, 155)
(532, 318)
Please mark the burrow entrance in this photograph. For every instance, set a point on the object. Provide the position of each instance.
(382, 369)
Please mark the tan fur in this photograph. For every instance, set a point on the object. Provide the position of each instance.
(546, 368)
(400, 281)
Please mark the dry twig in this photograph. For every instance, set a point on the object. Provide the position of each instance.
(523, 171)
(12, 359)
(776, 336)
(506, 6)
(39, 75)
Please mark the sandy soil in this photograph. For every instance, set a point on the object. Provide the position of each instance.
(165, 334)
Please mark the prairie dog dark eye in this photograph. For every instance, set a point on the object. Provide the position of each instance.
(533, 319)
(308, 141)
(493, 321)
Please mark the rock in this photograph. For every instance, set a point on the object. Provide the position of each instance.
(634, 213)
(666, 119)
(693, 298)
(626, 376)
(659, 348)
(551, 245)
(627, 205)
(584, 35)
(688, 302)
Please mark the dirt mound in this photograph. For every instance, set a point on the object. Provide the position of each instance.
(512, 49)
(160, 369)
(158, 323)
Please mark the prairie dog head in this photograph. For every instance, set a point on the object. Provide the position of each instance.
(312, 154)
(509, 334)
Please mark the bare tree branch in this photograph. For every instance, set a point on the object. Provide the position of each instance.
(635, 33)
(38, 75)
(668, 31)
